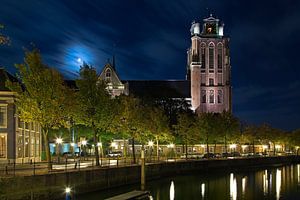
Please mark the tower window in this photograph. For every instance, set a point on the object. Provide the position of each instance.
(203, 66)
(211, 96)
(211, 82)
(220, 96)
(211, 56)
(108, 75)
(203, 96)
(220, 58)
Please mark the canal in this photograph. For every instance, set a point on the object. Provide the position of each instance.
(265, 183)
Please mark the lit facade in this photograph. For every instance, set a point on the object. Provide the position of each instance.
(19, 142)
(208, 67)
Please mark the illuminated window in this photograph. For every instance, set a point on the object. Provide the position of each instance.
(220, 57)
(108, 75)
(3, 116)
(211, 56)
(2, 146)
(211, 96)
(220, 96)
(203, 96)
(203, 66)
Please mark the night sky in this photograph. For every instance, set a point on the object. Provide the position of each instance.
(150, 38)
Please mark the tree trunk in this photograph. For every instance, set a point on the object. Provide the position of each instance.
(157, 149)
(186, 150)
(274, 149)
(133, 151)
(207, 148)
(124, 148)
(225, 141)
(47, 148)
(95, 143)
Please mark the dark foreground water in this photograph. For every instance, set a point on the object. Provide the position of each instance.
(270, 183)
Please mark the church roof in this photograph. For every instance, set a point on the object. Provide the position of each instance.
(159, 88)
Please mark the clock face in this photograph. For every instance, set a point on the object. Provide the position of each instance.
(210, 28)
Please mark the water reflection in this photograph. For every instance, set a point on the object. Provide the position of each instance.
(278, 183)
(233, 187)
(202, 190)
(244, 179)
(298, 172)
(172, 191)
(272, 183)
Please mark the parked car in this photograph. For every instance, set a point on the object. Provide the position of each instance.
(192, 156)
(115, 154)
(209, 155)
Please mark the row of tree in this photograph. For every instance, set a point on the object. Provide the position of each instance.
(44, 97)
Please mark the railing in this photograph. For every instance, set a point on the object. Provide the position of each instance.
(85, 163)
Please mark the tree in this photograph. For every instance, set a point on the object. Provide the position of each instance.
(96, 109)
(206, 125)
(132, 120)
(186, 129)
(157, 124)
(4, 40)
(42, 96)
(230, 126)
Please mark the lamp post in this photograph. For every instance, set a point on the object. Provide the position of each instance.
(150, 144)
(83, 144)
(58, 141)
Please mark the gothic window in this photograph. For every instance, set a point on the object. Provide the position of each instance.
(220, 96)
(211, 96)
(3, 116)
(211, 56)
(108, 75)
(220, 57)
(3, 146)
(203, 96)
(203, 66)
(211, 82)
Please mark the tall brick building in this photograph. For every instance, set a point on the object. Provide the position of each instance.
(208, 67)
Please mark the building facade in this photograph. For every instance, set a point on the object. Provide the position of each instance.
(19, 142)
(208, 67)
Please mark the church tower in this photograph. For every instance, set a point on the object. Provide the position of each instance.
(208, 67)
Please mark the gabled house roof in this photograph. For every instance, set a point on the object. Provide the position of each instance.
(5, 75)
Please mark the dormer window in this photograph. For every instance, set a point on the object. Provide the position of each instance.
(108, 75)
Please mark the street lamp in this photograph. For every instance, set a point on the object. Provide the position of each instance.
(232, 147)
(150, 144)
(58, 141)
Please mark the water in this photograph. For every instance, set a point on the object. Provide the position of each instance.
(269, 183)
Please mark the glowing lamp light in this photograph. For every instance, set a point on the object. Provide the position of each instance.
(54, 145)
(68, 190)
(150, 143)
(72, 144)
(277, 146)
(99, 144)
(297, 147)
(265, 146)
(114, 144)
(232, 146)
(244, 147)
(83, 142)
(171, 145)
(202, 145)
(59, 140)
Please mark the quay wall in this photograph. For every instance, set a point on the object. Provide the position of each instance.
(52, 185)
